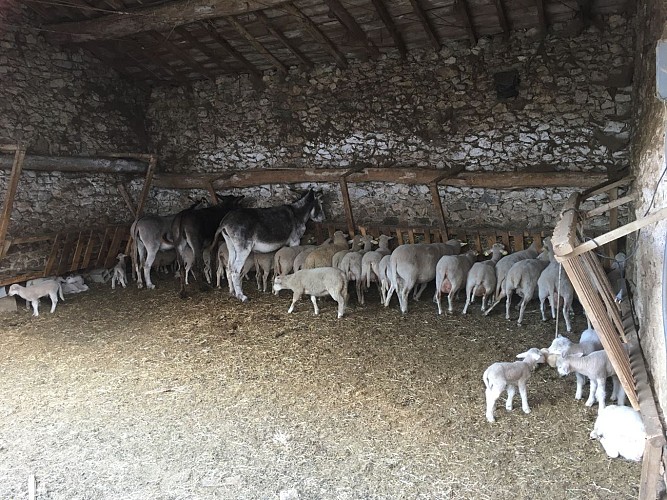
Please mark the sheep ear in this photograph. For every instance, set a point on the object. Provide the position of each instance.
(522, 355)
(486, 253)
(464, 243)
(374, 242)
(504, 252)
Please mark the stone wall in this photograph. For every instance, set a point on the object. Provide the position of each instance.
(648, 161)
(434, 110)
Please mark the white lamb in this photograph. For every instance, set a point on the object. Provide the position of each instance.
(597, 367)
(621, 432)
(501, 376)
(316, 282)
(32, 294)
(119, 272)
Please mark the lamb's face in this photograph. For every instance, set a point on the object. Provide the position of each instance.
(278, 284)
(563, 367)
(13, 290)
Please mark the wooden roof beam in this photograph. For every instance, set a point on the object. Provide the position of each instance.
(542, 16)
(201, 47)
(182, 55)
(255, 74)
(426, 24)
(502, 18)
(352, 26)
(256, 45)
(317, 34)
(391, 27)
(161, 17)
(461, 6)
(261, 17)
(164, 68)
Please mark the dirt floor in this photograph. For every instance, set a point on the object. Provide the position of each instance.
(136, 394)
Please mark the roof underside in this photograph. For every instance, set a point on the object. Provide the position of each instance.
(181, 40)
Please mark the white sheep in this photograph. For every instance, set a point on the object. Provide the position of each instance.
(350, 264)
(316, 282)
(33, 293)
(119, 272)
(355, 246)
(323, 254)
(384, 278)
(621, 432)
(555, 285)
(371, 260)
(597, 367)
(522, 278)
(283, 260)
(562, 346)
(505, 264)
(73, 284)
(501, 376)
(482, 277)
(451, 273)
(223, 258)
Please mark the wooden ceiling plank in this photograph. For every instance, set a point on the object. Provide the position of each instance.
(356, 31)
(256, 45)
(201, 47)
(426, 24)
(317, 34)
(115, 4)
(541, 15)
(461, 7)
(161, 17)
(261, 17)
(391, 27)
(502, 17)
(255, 74)
(182, 55)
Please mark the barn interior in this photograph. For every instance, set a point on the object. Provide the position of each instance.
(425, 119)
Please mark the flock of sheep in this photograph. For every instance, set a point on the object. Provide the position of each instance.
(327, 269)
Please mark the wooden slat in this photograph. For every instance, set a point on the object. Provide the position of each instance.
(78, 251)
(8, 202)
(611, 205)
(127, 199)
(102, 252)
(437, 203)
(89, 250)
(599, 281)
(391, 27)
(605, 187)
(318, 35)
(399, 237)
(64, 263)
(518, 240)
(114, 247)
(51, 261)
(411, 235)
(150, 171)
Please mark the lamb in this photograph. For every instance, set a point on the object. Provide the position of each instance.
(119, 273)
(597, 367)
(616, 277)
(263, 267)
(501, 376)
(73, 284)
(223, 258)
(522, 278)
(350, 264)
(32, 294)
(621, 432)
(562, 346)
(355, 247)
(283, 260)
(413, 265)
(505, 264)
(206, 257)
(451, 273)
(371, 260)
(164, 259)
(316, 282)
(323, 255)
(554, 284)
(482, 277)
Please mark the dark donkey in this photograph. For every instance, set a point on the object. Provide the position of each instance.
(196, 229)
(265, 230)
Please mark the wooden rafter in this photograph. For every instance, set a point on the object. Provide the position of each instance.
(256, 44)
(391, 27)
(502, 18)
(255, 74)
(352, 26)
(126, 44)
(541, 15)
(461, 7)
(426, 24)
(279, 35)
(187, 59)
(317, 34)
(162, 17)
(201, 47)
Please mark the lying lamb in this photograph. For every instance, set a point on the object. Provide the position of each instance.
(316, 282)
(621, 431)
(597, 367)
(119, 272)
(73, 284)
(501, 376)
(32, 294)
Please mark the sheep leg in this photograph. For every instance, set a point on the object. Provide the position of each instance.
(35, 307)
(592, 392)
(491, 398)
(469, 297)
(601, 394)
(54, 301)
(620, 393)
(524, 397)
(511, 390)
(438, 299)
(450, 300)
(581, 381)
(566, 316)
(522, 309)
(553, 304)
(151, 253)
(609, 446)
(237, 260)
(542, 301)
(508, 303)
(419, 290)
(313, 299)
(295, 298)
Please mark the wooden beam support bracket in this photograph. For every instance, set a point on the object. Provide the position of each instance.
(147, 185)
(127, 199)
(8, 203)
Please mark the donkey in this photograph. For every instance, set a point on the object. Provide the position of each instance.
(265, 230)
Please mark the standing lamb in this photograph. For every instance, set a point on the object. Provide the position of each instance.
(482, 277)
(501, 376)
(316, 282)
(32, 294)
(119, 273)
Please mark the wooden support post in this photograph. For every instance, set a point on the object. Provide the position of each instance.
(8, 202)
(50, 262)
(439, 210)
(347, 205)
(214, 195)
(147, 186)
